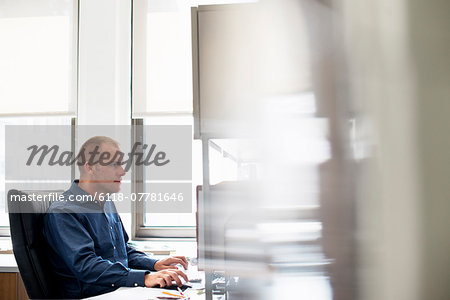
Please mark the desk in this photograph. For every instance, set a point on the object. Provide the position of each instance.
(142, 293)
(11, 284)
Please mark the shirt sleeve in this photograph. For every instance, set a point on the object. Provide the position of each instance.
(138, 259)
(68, 237)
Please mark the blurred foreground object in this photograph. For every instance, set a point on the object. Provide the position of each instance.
(345, 183)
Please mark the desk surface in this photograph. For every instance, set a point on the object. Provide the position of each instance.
(138, 293)
(8, 263)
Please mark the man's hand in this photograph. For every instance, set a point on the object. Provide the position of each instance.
(170, 263)
(164, 278)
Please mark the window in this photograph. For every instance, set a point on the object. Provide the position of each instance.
(37, 70)
(162, 94)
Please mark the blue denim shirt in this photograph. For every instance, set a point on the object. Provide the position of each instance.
(88, 247)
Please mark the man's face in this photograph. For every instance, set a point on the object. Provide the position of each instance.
(107, 178)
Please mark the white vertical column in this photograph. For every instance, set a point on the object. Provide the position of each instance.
(104, 62)
(104, 69)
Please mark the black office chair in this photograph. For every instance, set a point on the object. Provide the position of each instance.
(30, 247)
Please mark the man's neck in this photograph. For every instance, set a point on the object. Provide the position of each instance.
(85, 185)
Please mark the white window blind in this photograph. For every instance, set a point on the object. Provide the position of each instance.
(162, 58)
(37, 57)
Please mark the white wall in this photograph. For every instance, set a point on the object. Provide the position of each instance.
(104, 89)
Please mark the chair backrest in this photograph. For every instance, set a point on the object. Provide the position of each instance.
(29, 244)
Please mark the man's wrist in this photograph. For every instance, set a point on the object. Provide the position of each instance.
(154, 265)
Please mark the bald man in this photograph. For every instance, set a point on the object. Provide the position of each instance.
(88, 244)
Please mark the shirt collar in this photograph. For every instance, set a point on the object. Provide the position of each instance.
(76, 190)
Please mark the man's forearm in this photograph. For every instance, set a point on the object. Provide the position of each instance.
(140, 260)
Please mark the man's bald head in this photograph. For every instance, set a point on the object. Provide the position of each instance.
(89, 147)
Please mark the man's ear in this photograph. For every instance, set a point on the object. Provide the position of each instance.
(88, 169)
